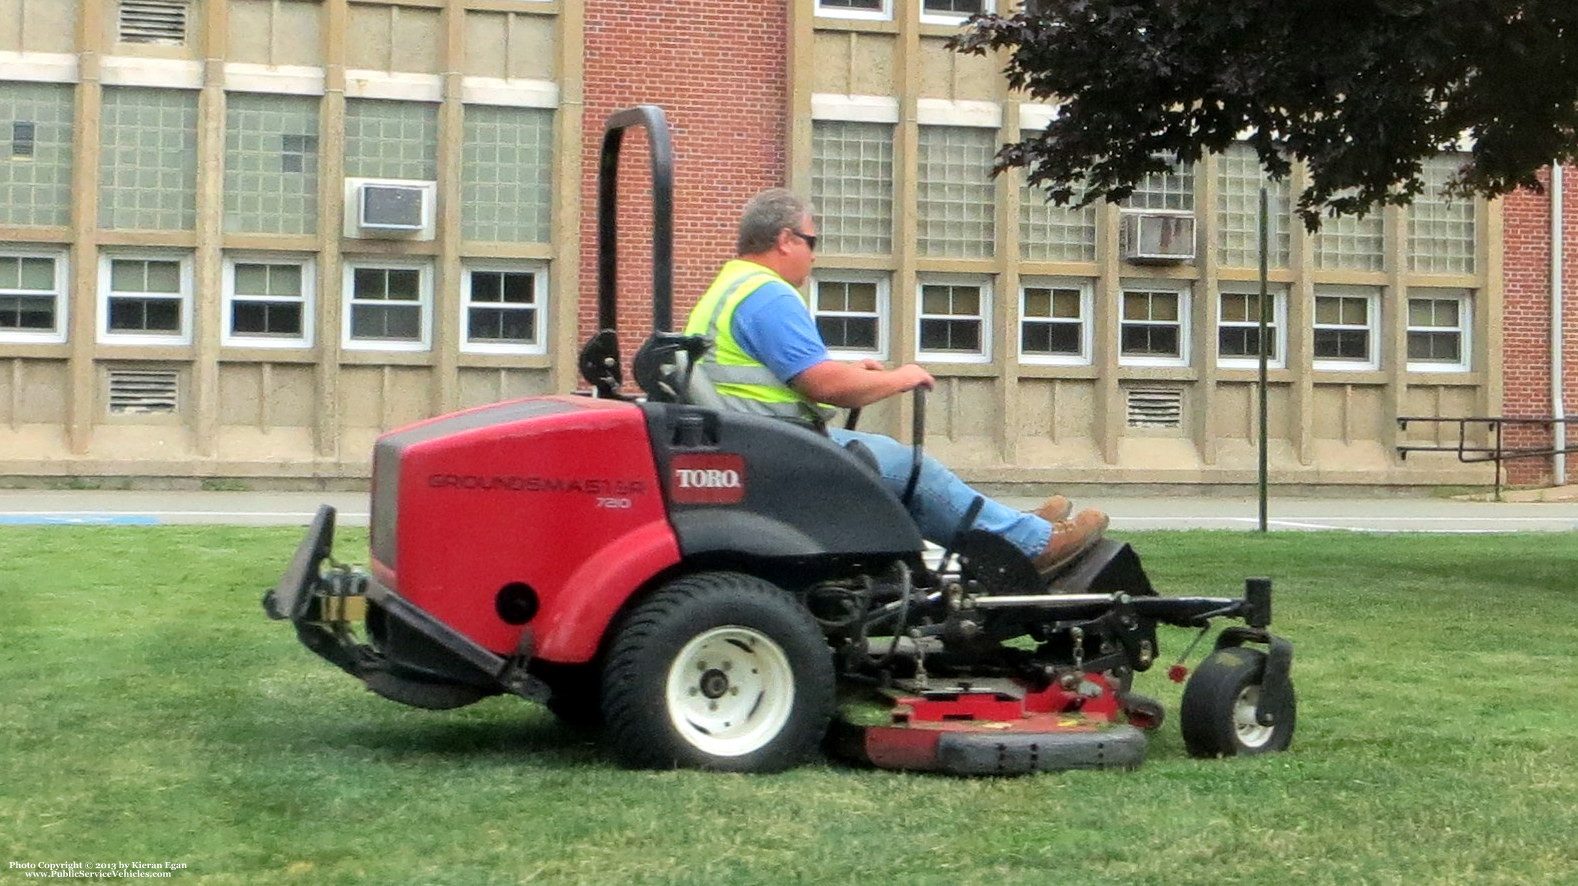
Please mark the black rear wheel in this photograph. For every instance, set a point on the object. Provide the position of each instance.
(718, 671)
(1217, 713)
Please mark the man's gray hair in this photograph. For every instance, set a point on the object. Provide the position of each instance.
(765, 215)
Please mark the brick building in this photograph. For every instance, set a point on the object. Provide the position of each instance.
(241, 238)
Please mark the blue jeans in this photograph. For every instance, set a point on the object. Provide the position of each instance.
(941, 498)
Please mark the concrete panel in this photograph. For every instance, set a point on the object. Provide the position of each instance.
(361, 397)
(141, 442)
(946, 74)
(241, 395)
(418, 40)
(480, 386)
(273, 444)
(1056, 409)
(382, 398)
(830, 63)
(962, 419)
(38, 25)
(374, 30)
(487, 44)
(267, 396)
(286, 33)
(1349, 413)
(1236, 409)
(872, 65)
(532, 47)
(33, 391)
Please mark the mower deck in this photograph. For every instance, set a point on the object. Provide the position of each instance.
(988, 730)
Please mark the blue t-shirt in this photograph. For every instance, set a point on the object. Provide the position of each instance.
(773, 325)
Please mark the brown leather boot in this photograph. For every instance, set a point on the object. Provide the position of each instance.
(1070, 538)
(1054, 509)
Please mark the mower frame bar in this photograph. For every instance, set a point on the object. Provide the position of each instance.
(651, 118)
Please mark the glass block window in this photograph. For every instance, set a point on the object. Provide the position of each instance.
(1154, 328)
(268, 302)
(870, 9)
(1347, 323)
(956, 194)
(148, 163)
(506, 174)
(1349, 243)
(1054, 322)
(851, 312)
(953, 320)
(35, 167)
(145, 299)
(852, 186)
(1238, 326)
(504, 309)
(1441, 232)
(1054, 233)
(271, 164)
(1438, 330)
(33, 297)
(1239, 179)
(389, 139)
(388, 305)
(1173, 189)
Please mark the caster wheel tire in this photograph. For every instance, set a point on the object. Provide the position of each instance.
(1217, 712)
(718, 671)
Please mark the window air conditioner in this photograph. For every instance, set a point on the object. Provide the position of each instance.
(1157, 237)
(390, 208)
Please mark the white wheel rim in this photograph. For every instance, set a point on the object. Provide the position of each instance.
(729, 691)
(1250, 733)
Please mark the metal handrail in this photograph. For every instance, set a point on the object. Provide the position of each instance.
(1469, 453)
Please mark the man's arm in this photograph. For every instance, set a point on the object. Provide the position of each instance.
(853, 385)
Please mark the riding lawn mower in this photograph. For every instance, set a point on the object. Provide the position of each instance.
(735, 592)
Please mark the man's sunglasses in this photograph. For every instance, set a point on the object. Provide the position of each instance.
(810, 239)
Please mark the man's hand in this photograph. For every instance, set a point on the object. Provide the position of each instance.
(858, 384)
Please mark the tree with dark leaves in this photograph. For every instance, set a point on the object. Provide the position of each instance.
(1359, 91)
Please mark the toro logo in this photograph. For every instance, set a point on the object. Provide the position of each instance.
(707, 479)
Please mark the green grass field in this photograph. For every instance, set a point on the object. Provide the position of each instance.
(149, 713)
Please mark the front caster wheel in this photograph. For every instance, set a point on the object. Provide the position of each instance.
(718, 671)
(1217, 713)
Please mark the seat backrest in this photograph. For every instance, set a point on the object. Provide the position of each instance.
(665, 367)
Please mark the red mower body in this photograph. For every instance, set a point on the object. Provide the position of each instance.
(545, 511)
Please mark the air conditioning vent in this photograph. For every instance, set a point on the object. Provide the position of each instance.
(390, 208)
(1157, 237)
(160, 22)
(1155, 408)
(144, 391)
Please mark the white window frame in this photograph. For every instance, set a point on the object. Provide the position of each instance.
(1464, 329)
(883, 15)
(1087, 301)
(182, 336)
(884, 313)
(539, 274)
(424, 297)
(308, 299)
(949, 18)
(984, 284)
(1279, 320)
(1372, 296)
(1185, 293)
(62, 302)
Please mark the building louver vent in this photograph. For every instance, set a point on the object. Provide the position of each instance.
(153, 21)
(143, 391)
(1155, 408)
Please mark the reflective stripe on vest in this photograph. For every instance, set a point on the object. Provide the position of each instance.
(741, 381)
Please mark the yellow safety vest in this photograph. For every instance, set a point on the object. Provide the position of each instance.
(741, 381)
